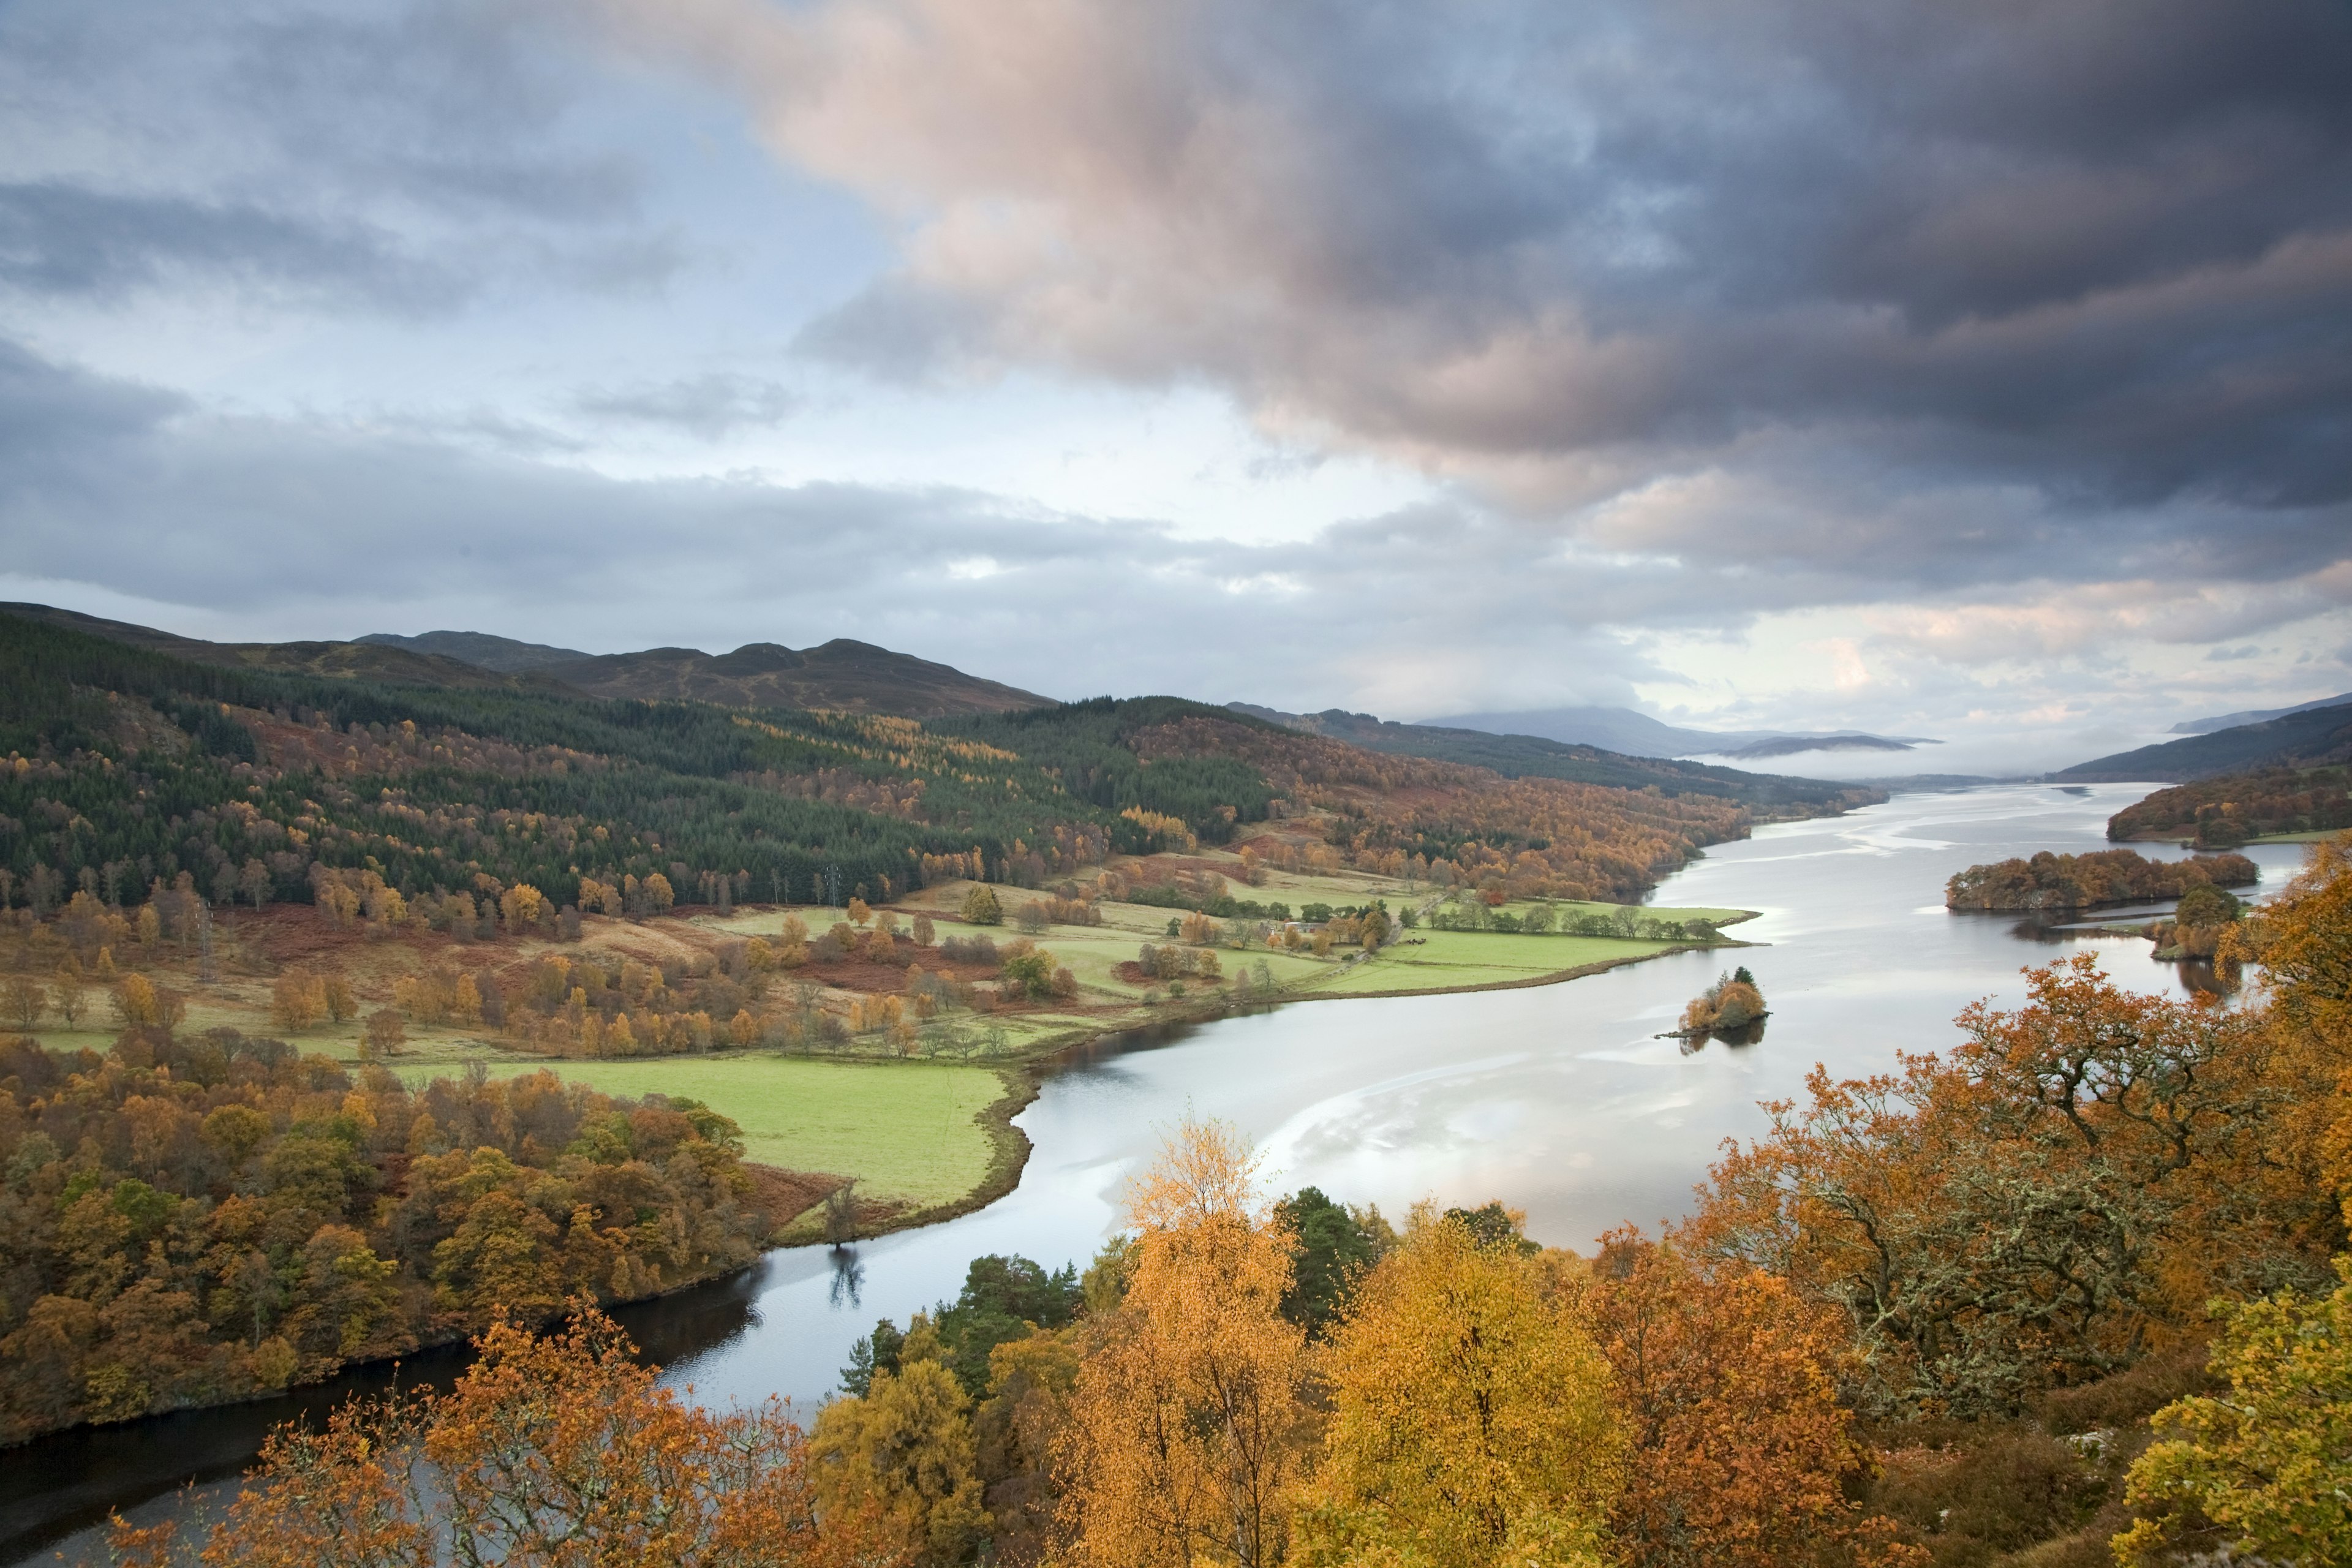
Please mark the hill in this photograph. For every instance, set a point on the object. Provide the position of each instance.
(481, 649)
(2224, 813)
(132, 770)
(1770, 795)
(1624, 731)
(337, 661)
(843, 676)
(2255, 716)
(2313, 738)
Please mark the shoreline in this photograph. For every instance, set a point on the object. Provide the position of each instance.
(1024, 1080)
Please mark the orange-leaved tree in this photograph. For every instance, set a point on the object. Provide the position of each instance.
(559, 1452)
(1187, 1429)
(2055, 1198)
(1724, 1380)
(1471, 1423)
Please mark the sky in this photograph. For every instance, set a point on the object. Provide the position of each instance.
(1982, 372)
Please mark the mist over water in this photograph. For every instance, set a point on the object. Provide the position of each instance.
(1559, 1099)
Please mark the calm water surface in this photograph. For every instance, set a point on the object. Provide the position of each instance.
(1557, 1099)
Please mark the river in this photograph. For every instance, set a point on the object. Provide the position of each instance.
(1557, 1099)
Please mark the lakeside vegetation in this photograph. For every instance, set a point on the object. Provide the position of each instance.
(190, 1220)
(2274, 805)
(2047, 881)
(332, 902)
(2076, 1292)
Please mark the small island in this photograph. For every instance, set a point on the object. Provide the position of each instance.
(2055, 882)
(1731, 1010)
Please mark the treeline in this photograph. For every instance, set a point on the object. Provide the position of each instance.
(2048, 881)
(1089, 748)
(1455, 826)
(186, 1220)
(2222, 813)
(126, 766)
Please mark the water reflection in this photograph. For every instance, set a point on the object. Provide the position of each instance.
(1751, 1033)
(848, 1279)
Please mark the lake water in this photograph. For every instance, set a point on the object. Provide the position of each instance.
(1557, 1100)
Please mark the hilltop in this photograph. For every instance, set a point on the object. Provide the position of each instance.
(1770, 795)
(2311, 737)
(843, 676)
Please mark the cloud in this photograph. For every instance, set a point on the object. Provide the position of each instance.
(711, 406)
(2095, 255)
(64, 239)
(406, 157)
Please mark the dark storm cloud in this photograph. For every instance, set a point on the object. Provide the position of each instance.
(2098, 251)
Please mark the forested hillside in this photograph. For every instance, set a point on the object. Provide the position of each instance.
(1769, 796)
(2313, 738)
(130, 771)
(2226, 812)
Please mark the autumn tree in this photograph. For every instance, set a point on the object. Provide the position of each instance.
(24, 999)
(547, 1451)
(1186, 1431)
(2063, 1192)
(1470, 1414)
(384, 1032)
(2266, 1469)
(524, 909)
(1724, 1382)
(904, 1449)
(298, 999)
(980, 906)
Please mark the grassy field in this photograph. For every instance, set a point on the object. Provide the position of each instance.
(2315, 835)
(1449, 960)
(905, 1129)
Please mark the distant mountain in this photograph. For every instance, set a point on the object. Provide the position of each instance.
(349, 660)
(844, 675)
(1637, 734)
(1790, 745)
(503, 654)
(2255, 716)
(2311, 737)
(1518, 756)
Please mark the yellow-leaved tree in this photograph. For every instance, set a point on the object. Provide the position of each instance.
(1187, 1431)
(1471, 1423)
(904, 1451)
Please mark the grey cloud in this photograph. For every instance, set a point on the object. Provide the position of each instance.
(2230, 655)
(711, 406)
(61, 239)
(401, 154)
(269, 520)
(2099, 251)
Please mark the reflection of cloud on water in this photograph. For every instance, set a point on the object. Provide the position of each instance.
(1641, 1054)
(1387, 1118)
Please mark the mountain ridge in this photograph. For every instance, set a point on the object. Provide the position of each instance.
(2314, 737)
(843, 675)
(1633, 733)
(1516, 756)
